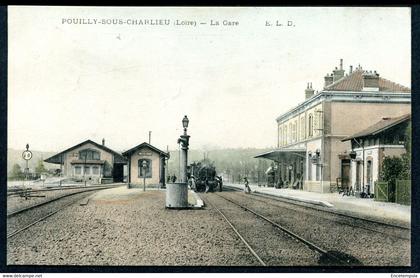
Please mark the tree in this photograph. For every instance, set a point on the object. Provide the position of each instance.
(107, 169)
(40, 168)
(392, 168)
(406, 157)
(16, 172)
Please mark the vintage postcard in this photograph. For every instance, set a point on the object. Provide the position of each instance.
(209, 136)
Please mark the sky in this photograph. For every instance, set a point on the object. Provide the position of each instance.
(69, 81)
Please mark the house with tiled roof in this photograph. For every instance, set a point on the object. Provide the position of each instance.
(91, 162)
(370, 146)
(310, 153)
(146, 165)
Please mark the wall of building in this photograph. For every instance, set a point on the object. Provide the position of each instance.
(348, 118)
(134, 169)
(334, 162)
(376, 155)
(296, 129)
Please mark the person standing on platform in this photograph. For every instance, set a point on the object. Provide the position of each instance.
(247, 189)
(192, 183)
(220, 182)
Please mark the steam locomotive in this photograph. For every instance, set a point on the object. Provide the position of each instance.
(204, 173)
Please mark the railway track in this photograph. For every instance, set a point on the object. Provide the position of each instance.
(383, 228)
(329, 258)
(21, 220)
(251, 250)
(329, 211)
(61, 188)
(21, 210)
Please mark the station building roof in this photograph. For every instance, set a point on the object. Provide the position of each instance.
(281, 154)
(142, 145)
(56, 159)
(354, 83)
(382, 125)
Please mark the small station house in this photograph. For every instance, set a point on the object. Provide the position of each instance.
(146, 165)
(386, 138)
(90, 161)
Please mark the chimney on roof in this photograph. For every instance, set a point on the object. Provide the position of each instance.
(338, 73)
(328, 80)
(351, 69)
(309, 91)
(103, 141)
(370, 81)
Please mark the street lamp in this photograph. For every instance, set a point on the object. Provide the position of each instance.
(144, 165)
(184, 141)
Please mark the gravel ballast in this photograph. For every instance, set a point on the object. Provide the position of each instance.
(129, 229)
(272, 245)
(362, 246)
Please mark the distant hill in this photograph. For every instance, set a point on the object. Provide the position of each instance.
(15, 157)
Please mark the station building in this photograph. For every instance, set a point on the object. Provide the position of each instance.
(146, 164)
(90, 161)
(310, 153)
(386, 138)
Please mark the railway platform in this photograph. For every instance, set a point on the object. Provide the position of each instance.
(350, 205)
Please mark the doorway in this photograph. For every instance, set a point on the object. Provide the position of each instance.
(118, 172)
(369, 176)
(345, 173)
(358, 175)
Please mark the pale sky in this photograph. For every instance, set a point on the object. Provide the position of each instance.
(72, 82)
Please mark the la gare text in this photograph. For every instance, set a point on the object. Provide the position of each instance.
(147, 22)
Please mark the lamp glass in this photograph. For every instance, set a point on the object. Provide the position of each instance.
(185, 121)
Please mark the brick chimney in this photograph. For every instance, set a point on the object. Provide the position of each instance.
(309, 91)
(370, 81)
(103, 141)
(338, 73)
(328, 80)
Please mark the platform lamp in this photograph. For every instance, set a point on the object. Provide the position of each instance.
(144, 165)
(184, 141)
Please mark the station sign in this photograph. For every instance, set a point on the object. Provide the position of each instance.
(145, 153)
(27, 155)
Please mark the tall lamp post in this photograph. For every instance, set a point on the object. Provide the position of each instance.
(144, 165)
(184, 141)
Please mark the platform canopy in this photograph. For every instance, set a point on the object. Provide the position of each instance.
(282, 154)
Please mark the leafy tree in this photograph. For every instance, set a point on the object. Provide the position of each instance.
(391, 171)
(107, 170)
(16, 172)
(406, 158)
(40, 168)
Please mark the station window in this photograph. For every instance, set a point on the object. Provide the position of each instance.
(89, 154)
(148, 169)
(87, 170)
(281, 137)
(95, 170)
(320, 126)
(302, 128)
(310, 126)
(285, 135)
(290, 133)
(78, 170)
